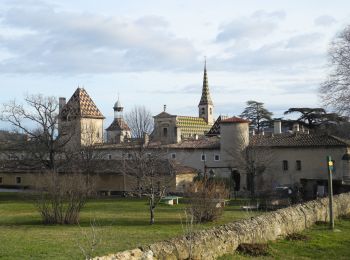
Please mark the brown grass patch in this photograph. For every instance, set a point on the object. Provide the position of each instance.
(297, 237)
(253, 249)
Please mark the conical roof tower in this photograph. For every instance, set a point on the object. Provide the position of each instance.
(205, 98)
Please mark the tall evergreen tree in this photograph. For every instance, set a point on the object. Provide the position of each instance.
(257, 114)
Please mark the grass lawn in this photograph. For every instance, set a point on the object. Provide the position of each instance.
(120, 224)
(322, 244)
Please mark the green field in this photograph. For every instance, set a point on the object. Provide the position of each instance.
(120, 224)
(322, 244)
(123, 224)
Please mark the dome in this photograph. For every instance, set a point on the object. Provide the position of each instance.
(117, 104)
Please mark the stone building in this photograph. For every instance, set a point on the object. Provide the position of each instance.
(80, 119)
(223, 148)
(174, 128)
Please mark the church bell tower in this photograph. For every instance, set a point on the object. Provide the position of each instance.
(205, 106)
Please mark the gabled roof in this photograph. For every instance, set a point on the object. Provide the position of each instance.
(80, 105)
(191, 125)
(215, 129)
(297, 140)
(163, 115)
(118, 124)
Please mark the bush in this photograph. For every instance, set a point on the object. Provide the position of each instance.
(59, 198)
(206, 198)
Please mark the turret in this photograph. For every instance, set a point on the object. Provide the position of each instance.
(118, 131)
(118, 109)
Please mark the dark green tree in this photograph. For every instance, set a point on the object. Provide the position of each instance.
(314, 118)
(257, 114)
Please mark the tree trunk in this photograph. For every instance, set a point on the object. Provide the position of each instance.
(151, 208)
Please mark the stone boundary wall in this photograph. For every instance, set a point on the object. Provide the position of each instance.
(217, 241)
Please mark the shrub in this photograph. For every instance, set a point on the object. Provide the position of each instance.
(59, 198)
(205, 200)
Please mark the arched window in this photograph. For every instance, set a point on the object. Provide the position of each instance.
(211, 111)
(203, 111)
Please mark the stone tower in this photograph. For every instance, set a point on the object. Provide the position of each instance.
(118, 131)
(206, 107)
(80, 121)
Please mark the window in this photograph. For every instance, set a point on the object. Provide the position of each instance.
(216, 157)
(129, 156)
(211, 111)
(109, 156)
(165, 131)
(203, 157)
(298, 165)
(173, 155)
(203, 111)
(18, 180)
(285, 165)
(0, 179)
(98, 134)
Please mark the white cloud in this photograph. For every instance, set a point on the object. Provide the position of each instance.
(304, 40)
(325, 20)
(89, 43)
(259, 24)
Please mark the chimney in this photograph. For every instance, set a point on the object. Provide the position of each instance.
(296, 127)
(61, 104)
(277, 127)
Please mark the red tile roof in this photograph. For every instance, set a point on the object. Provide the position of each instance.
(81, 105)
(235, 119)
(297, 140)
(118, 124)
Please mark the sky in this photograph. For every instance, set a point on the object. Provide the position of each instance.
(152, 52)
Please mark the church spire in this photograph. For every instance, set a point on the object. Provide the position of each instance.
(205, 98)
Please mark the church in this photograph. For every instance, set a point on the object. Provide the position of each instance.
(170, 129)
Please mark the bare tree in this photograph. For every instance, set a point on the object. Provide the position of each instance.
(86, 158)
(37, 122)
(152, 172)
(335, 91)
(140, 121)
(63, 185)
(254, 160)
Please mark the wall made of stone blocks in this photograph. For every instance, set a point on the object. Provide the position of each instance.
(211, 243)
